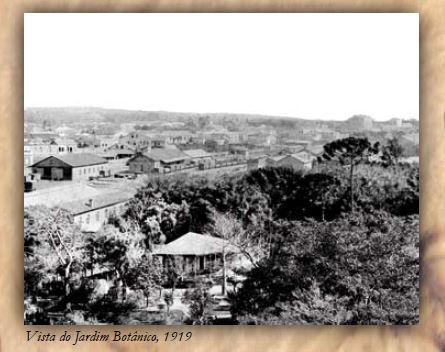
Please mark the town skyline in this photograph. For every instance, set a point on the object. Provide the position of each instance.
(192, 113)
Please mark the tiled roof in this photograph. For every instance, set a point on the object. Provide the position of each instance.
(99, 201)
(195, 244)
(315, 149)
(197, 153)
(78, 159)
(300, 158)
(166, 155)
(304, 156)
(276, 157)
(54, 196)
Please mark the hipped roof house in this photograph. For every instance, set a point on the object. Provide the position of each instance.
(195, 244)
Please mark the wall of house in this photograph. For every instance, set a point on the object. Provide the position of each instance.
(206, 161)
(51, 149)
(95, 218)
(42, 148)
(85, 172)
(136, 140)
(74, 174)
(190, 264)
(174, 166)
(143, 165)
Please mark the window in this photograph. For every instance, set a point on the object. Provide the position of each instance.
(87, 219)
(98, 215)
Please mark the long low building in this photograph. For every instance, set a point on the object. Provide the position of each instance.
(92, 213)
(298, 161)
(159, 161)
(200, 157)
(74, 167)
(54, 196)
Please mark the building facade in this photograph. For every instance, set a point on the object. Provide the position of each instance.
(92, 213)
(159, 161)
(74, 167)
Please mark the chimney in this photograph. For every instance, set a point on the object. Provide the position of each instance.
(90, 203)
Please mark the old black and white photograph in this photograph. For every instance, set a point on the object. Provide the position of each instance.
(221, 169)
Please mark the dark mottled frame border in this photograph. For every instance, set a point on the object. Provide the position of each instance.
(429, 335)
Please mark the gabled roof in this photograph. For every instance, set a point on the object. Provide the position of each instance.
(195, 244)
(298, 157)
(76, 159)
(55, 196)
(276, 157)
(304, 155)
(164, 155)
(197, 153)
(314, 149)
(99, 201)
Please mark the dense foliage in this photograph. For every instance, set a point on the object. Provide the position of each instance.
(334, 245)
(353, 270)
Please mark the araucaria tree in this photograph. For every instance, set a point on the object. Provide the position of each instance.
(350, 152)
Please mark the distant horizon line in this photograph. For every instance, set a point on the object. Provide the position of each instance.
(215, 113)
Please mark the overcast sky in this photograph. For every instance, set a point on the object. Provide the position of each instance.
(323, 66)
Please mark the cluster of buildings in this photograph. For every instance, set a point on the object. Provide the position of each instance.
(64, 159)
(300, 159)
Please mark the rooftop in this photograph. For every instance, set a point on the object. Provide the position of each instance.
(276, 157)
(99, 201)
(77, 159)
(195, 244)
(302, 158)
(315, 149)
(166, 155)
(54, 196)
(197, 153)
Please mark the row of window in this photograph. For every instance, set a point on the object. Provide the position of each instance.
(90, 170)
(69, 149)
